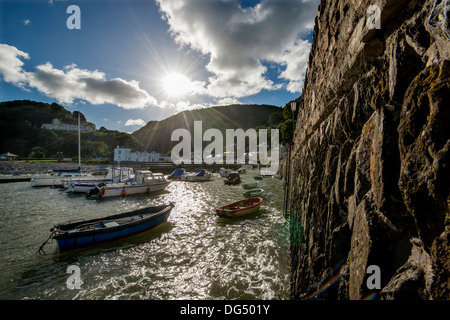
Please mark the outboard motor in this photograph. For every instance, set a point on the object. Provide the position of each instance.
(95, 192)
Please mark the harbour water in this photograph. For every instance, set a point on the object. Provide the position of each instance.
(195, 255)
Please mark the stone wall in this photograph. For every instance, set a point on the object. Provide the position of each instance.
(369, 176)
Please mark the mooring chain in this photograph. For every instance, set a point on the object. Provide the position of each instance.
(41, 248)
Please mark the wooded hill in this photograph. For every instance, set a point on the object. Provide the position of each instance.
(158, 133)
(21, 133)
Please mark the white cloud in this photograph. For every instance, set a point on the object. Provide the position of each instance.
(135, 122)
(11, 65)
(238, 41)
(296, 61)
(72, 83)
(227, 101)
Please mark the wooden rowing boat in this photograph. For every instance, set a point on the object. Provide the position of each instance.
(240, 208)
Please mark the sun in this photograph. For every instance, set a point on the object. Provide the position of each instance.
(176, 85)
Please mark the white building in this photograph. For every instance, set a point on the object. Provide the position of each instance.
(58, 125)
(125, 154)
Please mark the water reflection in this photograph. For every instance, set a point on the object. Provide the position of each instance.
(195, 255)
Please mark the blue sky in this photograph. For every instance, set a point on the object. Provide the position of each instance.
(133, 61)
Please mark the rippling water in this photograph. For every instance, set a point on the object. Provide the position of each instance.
(195, 255)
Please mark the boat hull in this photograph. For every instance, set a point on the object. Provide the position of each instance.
(74, 240)
(235, 209)
(197, 179)
(250, 185)
(253, 193)
(84, 187)
(45, 182)
(124, 190)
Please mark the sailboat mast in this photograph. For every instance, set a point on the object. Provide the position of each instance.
(79, 142)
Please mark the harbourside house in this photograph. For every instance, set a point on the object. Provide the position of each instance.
(59, 125)
(150, 155)
(8, 156)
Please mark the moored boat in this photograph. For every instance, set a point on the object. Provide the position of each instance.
(232, 178)
(114, 175)
(258, 177)
(85, 233)
(253, 193)
(198, 175)
(242, 170)
(223, 172)
(240, 208)
(250, 185)
(143, 182)
(55, 178)
(177, 174)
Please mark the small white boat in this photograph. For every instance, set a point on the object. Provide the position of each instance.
(198, 175)
(114, 175)
(250, 185)
(143, 182)
(55, 178)
(253, 193)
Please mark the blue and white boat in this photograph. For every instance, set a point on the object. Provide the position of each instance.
(198, 175)
(177, 174)
(86, 233)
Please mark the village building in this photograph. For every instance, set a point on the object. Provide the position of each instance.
(150, 155)
(8, 156)
(57, 124)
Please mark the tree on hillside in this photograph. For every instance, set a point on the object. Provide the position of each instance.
(276, 118)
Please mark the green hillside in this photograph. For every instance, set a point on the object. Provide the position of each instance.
(21, 133)
(158, 133)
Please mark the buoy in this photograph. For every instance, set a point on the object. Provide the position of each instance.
(124, 192)
(148, 190)
(102, 192)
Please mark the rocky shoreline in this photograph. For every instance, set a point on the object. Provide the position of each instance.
(30, 168)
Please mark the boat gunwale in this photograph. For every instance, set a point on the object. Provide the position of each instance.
(131, 185)
(163, 209)
(224, 208)
(253, 191)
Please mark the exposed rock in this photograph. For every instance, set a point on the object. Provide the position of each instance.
(413, 280)
(369, 175)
